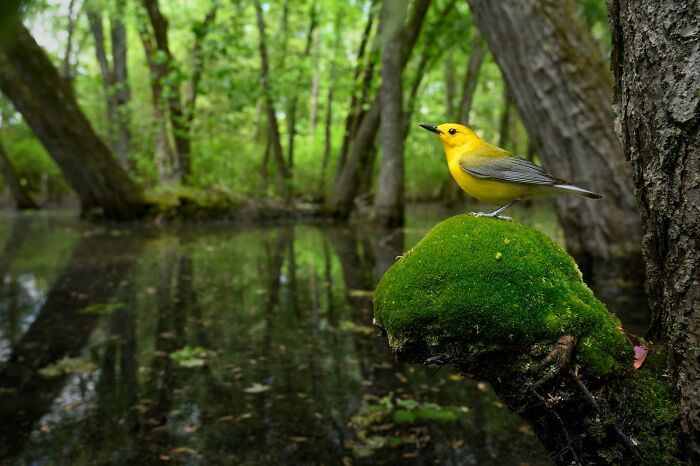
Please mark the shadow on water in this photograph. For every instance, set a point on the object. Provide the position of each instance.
(221, 345)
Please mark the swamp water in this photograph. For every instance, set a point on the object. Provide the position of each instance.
(220, 344)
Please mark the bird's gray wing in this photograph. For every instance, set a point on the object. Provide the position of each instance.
(513, 169)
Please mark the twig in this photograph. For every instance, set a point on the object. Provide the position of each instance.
(591, 399)
(561, 423)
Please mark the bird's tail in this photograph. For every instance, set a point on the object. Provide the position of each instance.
(570, 188)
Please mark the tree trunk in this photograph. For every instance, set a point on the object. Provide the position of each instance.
(161, 67)
(471, 78)
(504, 126)
(428, 56)
(655, 59)
(35, 87)
(328, 124)
(66, 66)
(450, 85)
(315, 83)
(389, 201)
(198, 59)
(23, 200)
(120, 80)
(365, 66)
(452, 194)
(292, 116)
(558, 81)
(282, 171)
(94, 16)
(342, 197)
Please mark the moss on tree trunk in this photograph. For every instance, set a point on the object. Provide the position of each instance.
(505, 304)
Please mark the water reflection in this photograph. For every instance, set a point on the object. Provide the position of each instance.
(222, 345)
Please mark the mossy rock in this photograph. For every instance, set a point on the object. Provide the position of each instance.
(486, 283)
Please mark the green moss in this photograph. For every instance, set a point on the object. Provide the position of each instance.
(186, 202)
(649, 409)
(483, 283)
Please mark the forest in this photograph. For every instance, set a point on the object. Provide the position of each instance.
(211, 208)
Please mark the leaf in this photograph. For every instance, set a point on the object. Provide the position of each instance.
(189, 356)
(355, 293)
(101, 308)
(407, 404)
(256, 388)
(640, 355)
(404, 416)
(66, 366)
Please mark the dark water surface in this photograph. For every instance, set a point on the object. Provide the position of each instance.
(220, 344)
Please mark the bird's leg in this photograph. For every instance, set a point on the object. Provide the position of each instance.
(495, 213)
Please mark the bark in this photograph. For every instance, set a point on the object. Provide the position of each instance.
(342, 197)
(655, 60)
(35, 87)
(23, 200)
(471, 78)
(389, 201)
(282, 173)
(557, 79)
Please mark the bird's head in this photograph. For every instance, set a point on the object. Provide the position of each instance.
(452, 134)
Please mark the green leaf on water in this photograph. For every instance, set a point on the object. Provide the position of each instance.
(407, 404)
(190, 356)
(257, 388)
(102, 308)
(66, 366)
(401, 415)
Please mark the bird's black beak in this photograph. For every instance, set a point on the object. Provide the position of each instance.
(431, 128)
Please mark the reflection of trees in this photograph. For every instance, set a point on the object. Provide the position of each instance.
(18, 233)
(158, 396)
(97, 266)
(10, 288)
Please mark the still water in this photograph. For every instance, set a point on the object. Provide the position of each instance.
(221, 344)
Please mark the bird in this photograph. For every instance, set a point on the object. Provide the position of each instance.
(494, 175)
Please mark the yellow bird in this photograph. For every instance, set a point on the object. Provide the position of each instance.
(494, 175)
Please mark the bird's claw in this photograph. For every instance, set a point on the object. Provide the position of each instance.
(490, 215)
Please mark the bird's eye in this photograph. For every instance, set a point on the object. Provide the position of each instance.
(452, 131)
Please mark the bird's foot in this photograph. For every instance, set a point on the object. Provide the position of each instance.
(490, 215)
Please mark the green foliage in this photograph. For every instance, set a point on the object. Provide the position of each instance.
(369, 422)
(229, 128)
(190, 356)
(486, 282)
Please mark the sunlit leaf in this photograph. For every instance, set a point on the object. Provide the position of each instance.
(256, 388)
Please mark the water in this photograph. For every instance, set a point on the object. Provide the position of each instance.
(218, 344)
